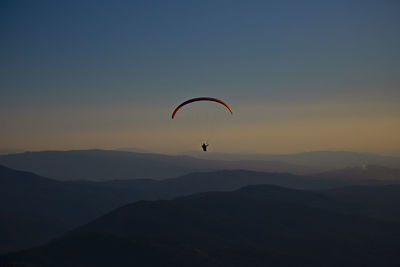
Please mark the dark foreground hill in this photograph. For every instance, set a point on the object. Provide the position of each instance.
(373, 201)
(260, 225)
(105, 165)
(17, 232)
(34, 209)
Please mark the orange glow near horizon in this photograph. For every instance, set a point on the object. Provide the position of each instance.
(273, 128)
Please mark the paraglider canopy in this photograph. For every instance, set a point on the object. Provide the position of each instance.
(200, 99)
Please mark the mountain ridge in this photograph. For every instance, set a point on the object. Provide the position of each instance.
(363, 173)
(227, 229)
(36, 200)
(111, 165)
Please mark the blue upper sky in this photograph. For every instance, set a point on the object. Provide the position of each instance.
(88, 53)
(67, 51)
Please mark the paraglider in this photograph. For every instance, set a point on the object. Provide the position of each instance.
(204, 145)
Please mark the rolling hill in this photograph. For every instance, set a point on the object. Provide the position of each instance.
(48, 208)
(259, 225)
(35, 201)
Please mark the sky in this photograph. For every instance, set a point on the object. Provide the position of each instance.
(299, 75)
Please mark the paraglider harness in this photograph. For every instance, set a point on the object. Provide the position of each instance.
(204, 146)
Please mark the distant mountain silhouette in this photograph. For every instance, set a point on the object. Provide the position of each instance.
(365, 174)
(4, 151)
(259, 225)
(104, 165)
(134, 149)
(322, 160)
(31, 196)
(234, 179)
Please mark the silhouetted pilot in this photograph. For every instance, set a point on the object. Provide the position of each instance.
(204, 146)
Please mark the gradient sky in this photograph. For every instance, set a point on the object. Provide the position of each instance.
(299, 75)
